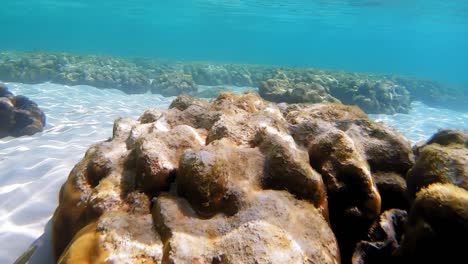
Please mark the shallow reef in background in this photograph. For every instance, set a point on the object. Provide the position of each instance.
(374, 93)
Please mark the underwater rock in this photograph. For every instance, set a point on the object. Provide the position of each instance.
(234, 180)
(372, 94)
(281, 90)
(355, 157)
(444, 159)
(437, 226)
(173, 84)
(383, 239)
(19, 116)
(213, 196)
(381, 97)
(4, 92)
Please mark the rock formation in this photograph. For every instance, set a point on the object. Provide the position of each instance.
(437, 225)
(437, 218)
(235, 180)
(444, 159)
(19, 115)
(432, 232)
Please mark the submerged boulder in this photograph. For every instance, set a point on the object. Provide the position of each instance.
(437, 225)
(431, 232)
(19, 116)
(437, 218)
(235, 180)
(443, 158)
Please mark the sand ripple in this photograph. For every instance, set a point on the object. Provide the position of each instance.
(33, 168)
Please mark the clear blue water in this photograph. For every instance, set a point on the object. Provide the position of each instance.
(426, 38)
(422, 38)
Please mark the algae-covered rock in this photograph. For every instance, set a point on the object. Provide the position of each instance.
(19, 115)
(437, 225)
(444, 159)
(234, 180)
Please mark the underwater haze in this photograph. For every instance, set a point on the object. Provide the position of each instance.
(425, 38)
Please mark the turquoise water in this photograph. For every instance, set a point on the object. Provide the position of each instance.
(426, 38)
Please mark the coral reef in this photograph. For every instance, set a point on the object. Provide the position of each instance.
(373, 93)
(281, 90)
(63, 68)
(173, 84)
(219, 74)
(235, 180)
(19, 115)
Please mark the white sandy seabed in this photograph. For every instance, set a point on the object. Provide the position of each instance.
(33, 168)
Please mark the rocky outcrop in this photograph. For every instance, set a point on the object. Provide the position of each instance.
(173, 84)
(19, 116)
(373, 93)
(444, 159)
(236, 180)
